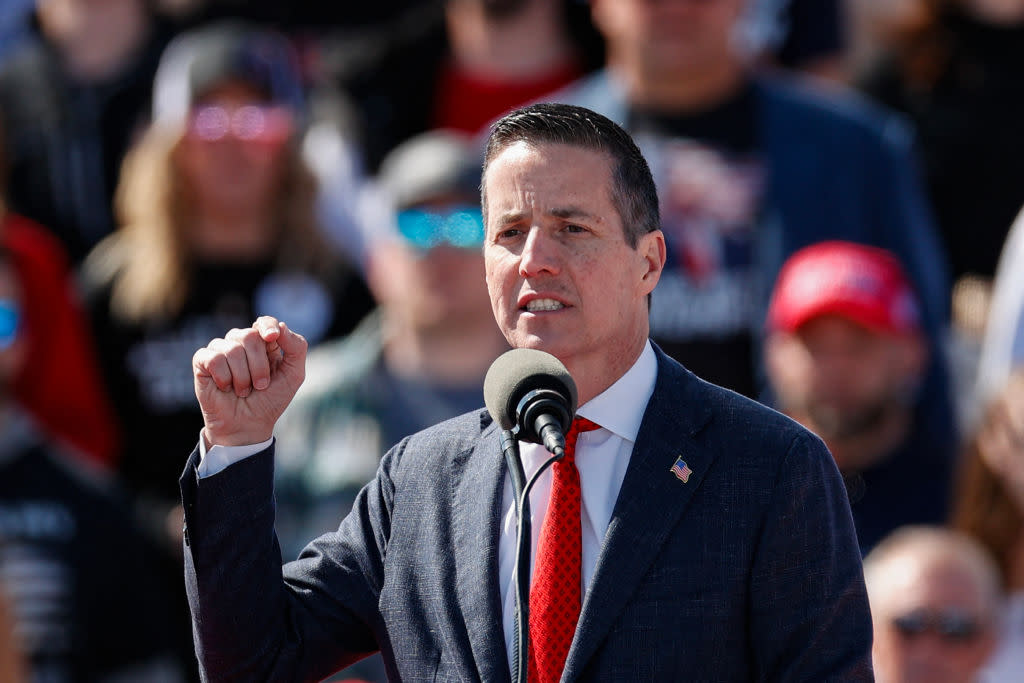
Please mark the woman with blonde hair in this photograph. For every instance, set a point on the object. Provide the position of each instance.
(989, 506)
(217, 226)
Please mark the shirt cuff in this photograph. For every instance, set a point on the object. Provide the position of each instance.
(219, 458)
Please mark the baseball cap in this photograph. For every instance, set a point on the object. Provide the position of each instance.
(431, 165)
(432, 181)
(199, 60)
(863, 284)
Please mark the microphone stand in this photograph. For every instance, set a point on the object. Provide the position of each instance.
(521, 573)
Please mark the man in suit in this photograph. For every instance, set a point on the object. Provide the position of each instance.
(750, 168)
(713, 540)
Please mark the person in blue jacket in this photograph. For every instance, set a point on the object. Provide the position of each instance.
(750, 167)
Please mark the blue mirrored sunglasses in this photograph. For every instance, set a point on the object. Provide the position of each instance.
(10, 319)
(460, 226)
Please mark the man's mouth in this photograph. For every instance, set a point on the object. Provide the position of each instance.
(537, 305)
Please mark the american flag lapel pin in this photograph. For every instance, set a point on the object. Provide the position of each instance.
(681, 470)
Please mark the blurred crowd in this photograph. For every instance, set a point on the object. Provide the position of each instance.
(840, 184)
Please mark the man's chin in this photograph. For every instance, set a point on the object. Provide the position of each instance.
(556, 345)
(841, 424)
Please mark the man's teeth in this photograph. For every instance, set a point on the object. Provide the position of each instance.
(544, 305)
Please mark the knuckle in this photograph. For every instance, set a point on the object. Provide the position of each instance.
(236, 353)
(253, 341)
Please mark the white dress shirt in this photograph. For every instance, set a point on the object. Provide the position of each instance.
(1007, 662)
(602, 457)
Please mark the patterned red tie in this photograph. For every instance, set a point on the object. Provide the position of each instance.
(555, 598)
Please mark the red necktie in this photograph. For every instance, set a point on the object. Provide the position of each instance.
(555, 598)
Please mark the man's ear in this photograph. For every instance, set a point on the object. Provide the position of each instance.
(651, 247)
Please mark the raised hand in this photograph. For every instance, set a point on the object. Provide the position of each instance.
(246, 380)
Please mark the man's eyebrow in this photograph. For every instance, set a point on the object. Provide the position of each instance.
(570, 212)
(511, 217)
(565, 213)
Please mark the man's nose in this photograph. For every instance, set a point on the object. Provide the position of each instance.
(541, 254)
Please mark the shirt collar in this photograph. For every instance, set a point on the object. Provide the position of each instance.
(620, 408)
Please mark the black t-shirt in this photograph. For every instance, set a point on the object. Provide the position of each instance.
(710, 180)
(65, 140)
(79, 575)
(913, 485)
(796, 33)
(970, 136)
(148, 366)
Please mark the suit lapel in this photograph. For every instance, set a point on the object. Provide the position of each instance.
(649, 505)
(478, 484)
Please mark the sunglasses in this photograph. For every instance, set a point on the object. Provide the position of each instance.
(460, 226)
(10, 321)
(952, 625)
(255, 123)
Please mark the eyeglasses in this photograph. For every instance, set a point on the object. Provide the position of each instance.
(10, 319)
(257, 123)
(460, 226)
(952, 625)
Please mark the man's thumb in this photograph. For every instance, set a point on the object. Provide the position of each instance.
(293, 345)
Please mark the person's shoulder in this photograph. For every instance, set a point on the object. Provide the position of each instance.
(434, 448)
(26, 60)
(721, 416)
(732, 411)
(456, 434)
(102, 266)
(29, 80)
(831, 110)
(336, 365)
(33, 242)
(596, 91)
(68, 474)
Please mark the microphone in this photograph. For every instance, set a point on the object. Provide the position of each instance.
(533, 398)
(532, 394)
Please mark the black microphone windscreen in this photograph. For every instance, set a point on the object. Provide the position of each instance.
(519, 371)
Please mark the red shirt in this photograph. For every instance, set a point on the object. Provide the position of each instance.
(468, 103)
(60, 383)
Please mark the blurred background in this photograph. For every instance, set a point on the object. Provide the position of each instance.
(841, 182)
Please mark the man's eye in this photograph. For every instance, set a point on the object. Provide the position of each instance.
(572, 227)
(509, 233)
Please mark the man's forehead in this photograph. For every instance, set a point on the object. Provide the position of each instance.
(548, 176)
(566, 212)
(522, 159)
(542, 150)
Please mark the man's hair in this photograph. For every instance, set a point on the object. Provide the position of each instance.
(932, 546)
(633, 192)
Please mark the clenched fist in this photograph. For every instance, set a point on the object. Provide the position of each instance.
(246, 380)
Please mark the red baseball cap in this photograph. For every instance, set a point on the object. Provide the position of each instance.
(864, 284)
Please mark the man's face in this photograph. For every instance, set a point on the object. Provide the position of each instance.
(840, 377)
(430, 279)
(997, 11)
(560, 274)
(94, 32)
(932, 624)
(670, 37)
(232, 152)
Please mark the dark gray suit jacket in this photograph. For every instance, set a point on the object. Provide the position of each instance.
(749, 571)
